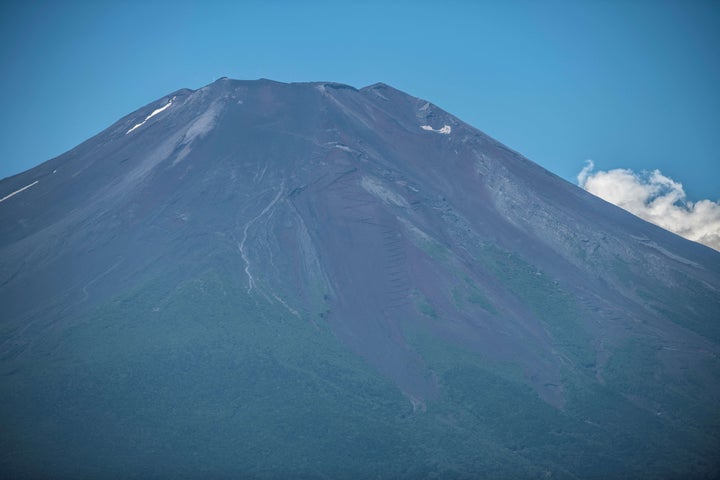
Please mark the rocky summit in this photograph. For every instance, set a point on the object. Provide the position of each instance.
(267, 280)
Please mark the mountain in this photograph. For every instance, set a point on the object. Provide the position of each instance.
(267, 280)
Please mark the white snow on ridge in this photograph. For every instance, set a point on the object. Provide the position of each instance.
(445, 130)
(155, 112)
(18, 191)
(339, 146)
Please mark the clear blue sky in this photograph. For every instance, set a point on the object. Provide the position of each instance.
(631, 84)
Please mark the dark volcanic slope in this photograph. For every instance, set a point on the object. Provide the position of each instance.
(267, 279)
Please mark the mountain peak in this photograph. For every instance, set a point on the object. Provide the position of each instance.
(377, 85)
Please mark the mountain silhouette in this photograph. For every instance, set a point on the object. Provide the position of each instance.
(267, 280)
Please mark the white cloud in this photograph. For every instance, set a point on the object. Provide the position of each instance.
(658, 199)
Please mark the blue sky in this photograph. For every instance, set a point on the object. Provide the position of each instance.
(628, 84)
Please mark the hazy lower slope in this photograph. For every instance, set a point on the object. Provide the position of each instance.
(309, 280)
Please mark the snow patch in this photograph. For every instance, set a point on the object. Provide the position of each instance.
(340, 146)
(18, 191)
(445, 130)
(155, 112)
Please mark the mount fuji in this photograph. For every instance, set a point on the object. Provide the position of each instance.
(268, 280)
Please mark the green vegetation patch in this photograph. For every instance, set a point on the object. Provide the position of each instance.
(423, 305)
(470, 293)
(554, 307)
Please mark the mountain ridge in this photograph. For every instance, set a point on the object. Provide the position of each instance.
(419, 250)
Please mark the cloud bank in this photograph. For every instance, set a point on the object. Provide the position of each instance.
(658, 199)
